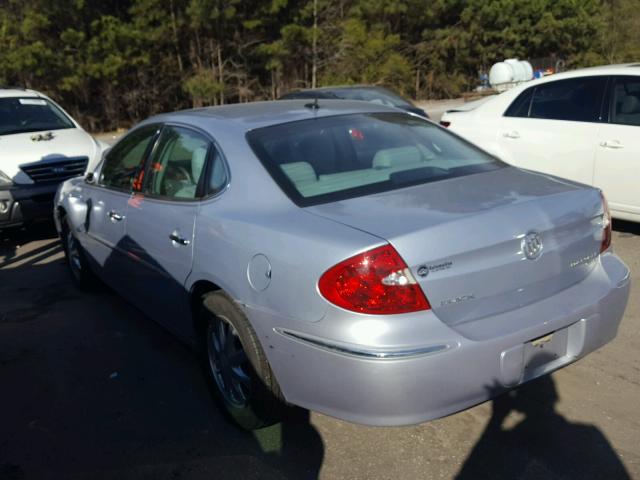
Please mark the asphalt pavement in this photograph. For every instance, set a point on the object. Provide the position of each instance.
(90, 388)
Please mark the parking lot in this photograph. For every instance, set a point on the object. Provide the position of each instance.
(91, 388)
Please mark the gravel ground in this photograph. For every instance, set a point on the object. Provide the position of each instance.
(91, 388)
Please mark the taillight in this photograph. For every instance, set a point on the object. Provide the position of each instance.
(376, 282)
(445, 124)
(606, 225)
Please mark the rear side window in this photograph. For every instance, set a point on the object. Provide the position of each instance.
(123, 163)
(333, 158)
(575, 99)
(521, 105)
(178, 164)
(625, 101)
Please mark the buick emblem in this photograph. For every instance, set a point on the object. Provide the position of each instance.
(58, 169)
(531, 245)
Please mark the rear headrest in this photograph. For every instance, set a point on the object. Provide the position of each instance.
(630, 104)
(198, 158)
(396, 157)
(299, 172)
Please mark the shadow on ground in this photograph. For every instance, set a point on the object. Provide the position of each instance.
(625, 228)
(12, 239)
(526, 438)
(91, 388)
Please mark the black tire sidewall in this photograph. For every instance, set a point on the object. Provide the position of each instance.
(84, 280)
(265, 403)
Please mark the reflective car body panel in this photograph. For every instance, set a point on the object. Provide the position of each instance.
(462, 239)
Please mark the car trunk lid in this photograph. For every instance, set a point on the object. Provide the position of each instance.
(470, 241)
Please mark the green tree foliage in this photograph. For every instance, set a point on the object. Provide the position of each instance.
(114, 62)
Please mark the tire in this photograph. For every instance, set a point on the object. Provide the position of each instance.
(236, 367)
(80, 270)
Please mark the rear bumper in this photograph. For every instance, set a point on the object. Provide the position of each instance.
(450, 373)
(21, 204)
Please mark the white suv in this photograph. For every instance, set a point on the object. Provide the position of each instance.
(40, 146)
(582, 125)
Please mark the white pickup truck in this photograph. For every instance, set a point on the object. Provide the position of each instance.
(40, 146)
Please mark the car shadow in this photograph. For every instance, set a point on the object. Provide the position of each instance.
(98, 390)
(526, 438)
(627, 229)
(11, 239)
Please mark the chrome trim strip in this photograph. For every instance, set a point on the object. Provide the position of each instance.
(625, 280)
(364, 352)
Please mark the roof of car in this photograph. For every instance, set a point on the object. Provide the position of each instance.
(17, 92)
(344, 87)
(621, 69)
(247, 116)
(336, 88)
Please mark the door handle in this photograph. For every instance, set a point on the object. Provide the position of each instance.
(512, 134)
(175, 237)
(115, 216)
(615, 144)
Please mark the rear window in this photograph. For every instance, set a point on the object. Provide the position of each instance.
(373, 95)
(334, 158)
(30, 114)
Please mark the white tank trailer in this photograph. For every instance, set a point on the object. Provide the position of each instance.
(508, 74)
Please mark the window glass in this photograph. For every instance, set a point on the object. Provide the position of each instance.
(177, 164)
(625, 102)
(30, 114)
(520, 106)
(332, 158)
(218, 173)
(306, 94)
(378, 95)
(575, 99)
(123, 163)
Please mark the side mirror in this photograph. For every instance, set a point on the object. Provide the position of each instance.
(89, 177)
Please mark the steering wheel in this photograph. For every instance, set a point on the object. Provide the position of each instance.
(181, 174)
(174, 179)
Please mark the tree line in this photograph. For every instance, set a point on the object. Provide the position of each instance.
(113, 62)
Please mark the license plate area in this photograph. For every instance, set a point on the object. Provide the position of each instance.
(544, 350)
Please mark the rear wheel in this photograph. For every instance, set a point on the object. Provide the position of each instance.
(238, 371)
(81, 273)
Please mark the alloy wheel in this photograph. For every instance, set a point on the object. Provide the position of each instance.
(228, 362)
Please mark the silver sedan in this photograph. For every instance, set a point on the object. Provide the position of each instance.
(345, 257)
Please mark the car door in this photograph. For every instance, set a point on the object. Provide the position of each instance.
(617, 170)
(107, 202)
(552, 127)
(161, 221)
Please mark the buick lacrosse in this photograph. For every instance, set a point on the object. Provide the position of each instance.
(345, 257)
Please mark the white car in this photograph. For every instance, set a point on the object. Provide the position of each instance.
(582, 125)
(40, 146)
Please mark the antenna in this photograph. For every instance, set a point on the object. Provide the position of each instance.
(314, 105)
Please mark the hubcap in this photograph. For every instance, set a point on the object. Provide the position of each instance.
(74, 254)
(228, 361)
